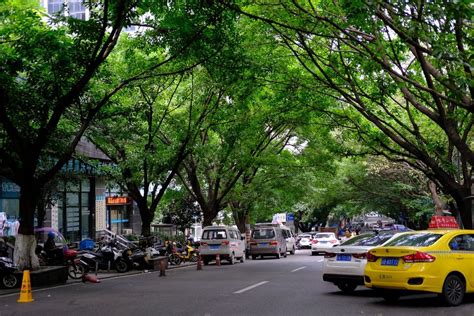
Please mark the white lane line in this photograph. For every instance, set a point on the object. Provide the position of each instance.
(250, 287)
(320, 260)
(298, 269)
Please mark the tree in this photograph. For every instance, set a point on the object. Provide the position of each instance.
(149, 132)
(183, 211)
(54, 81)
(404, 67)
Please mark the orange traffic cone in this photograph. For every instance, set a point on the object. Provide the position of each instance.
(218, 260)
(90, 278)
(199, 262)
(25, 293)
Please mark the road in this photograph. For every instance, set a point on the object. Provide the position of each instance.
(289, 286)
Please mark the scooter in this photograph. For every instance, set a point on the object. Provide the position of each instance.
(60, 256)
(188, 253)
(105, 258)
(7, 270)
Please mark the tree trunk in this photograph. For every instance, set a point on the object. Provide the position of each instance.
(25, 243)
(439, 205)
(464, 203)
(146, 217)
(24, 255)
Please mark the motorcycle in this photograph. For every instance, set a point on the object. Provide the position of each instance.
(64, 257)
(105, 258)
(7, 273)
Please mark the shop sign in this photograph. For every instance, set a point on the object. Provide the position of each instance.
(443, 222)
(9, 189)
(117, 200)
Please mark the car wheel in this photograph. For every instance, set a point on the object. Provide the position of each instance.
(232, 259)
(206, 262)
(313, 253)
(254, 257)
(453, 290)
(9, 281)
(284, 255)
(347, 287)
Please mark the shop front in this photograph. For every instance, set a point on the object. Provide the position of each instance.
(9, 207)
(119, 212)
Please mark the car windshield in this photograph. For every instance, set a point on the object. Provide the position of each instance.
(214, 234)
(368, 240)
(263, 234)
(415, 240)
(323, 236)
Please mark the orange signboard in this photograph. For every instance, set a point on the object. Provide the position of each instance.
(117, 200)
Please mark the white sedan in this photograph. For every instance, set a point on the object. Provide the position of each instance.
(304, 241)
(344, 265)
(322, 242)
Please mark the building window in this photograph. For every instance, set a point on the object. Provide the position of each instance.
(55, 6)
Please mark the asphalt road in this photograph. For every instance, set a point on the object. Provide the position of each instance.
(289, 286)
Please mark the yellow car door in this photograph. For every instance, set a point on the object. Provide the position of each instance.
(462, 247)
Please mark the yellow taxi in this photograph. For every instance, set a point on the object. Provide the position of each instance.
(437, 261)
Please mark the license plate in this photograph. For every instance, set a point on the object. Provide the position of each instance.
(263, 244)
(214, 246)
(343, 257)
(390, 261)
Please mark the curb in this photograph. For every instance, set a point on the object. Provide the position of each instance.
(100, 275)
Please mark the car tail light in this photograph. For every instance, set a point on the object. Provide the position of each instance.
(360, 255)
(253, 243)
(273, 243)
(418, 257)
(203, 243)
(314, 241)
(333, 241)
(371, 257)
(329, 255)
(225, 243)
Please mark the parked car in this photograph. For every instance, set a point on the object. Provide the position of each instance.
(223, 240)
(344, 265)
(436, 261)
(322, 242)
(267, 241)
(304, 241)
(290, 239)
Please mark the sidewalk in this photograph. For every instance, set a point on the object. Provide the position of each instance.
(101, 275)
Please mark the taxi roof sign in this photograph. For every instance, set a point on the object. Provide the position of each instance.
(443, 222)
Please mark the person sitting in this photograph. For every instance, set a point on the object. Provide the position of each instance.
(54, 253)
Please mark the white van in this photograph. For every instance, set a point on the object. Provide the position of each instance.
(287, 234)
(223, 240)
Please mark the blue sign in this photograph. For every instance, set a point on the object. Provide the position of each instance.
(8, 189)
(290, 217)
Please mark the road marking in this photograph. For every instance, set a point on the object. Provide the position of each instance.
(320, 260)
(298, 269)
(250, 287)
